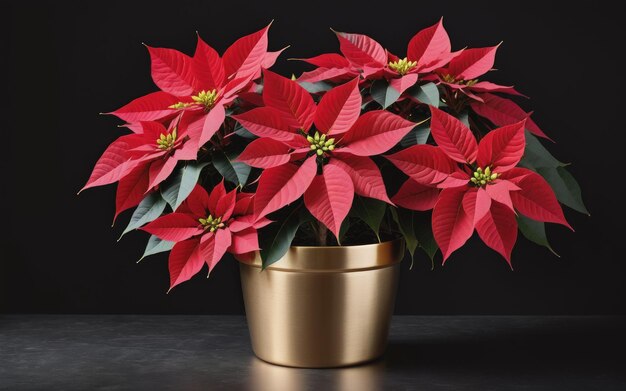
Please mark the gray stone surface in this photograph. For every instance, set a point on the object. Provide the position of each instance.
(128, 352)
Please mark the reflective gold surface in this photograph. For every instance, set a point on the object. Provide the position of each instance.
(322, 306)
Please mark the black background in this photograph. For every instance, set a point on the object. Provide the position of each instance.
(68, 62)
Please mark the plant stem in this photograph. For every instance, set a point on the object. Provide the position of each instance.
(322, 234)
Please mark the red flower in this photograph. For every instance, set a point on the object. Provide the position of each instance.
(201, 85)
(142, 160)
(298, 140)
(428, 50)
(204, 228)
(482, 187)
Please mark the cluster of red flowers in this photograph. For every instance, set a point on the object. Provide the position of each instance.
(218, 121)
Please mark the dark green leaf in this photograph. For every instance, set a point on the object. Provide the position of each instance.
(535, 231)
(419, 135)
(536, 155)
(155, 246)
(404, 219)
(464, 118)
(427, 93)
(235, 172)
(422, 225)
(383, 93)
(314, 88)
(179, 186)
(565, 187)
(243, 132)
(343, 230)
(283, 238)
(369, 210)
(148, 209)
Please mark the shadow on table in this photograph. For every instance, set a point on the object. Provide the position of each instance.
(545, 350)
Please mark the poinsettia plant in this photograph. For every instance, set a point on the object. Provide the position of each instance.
(230, 157)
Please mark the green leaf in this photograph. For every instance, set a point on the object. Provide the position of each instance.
(343, 230)
(243, 132)
(536, 155)
(419, 135)
(422, 225)
(369, 210)
(234, 172)
(148, 209)
(535, 231)
(565, 187)
(383, 93)
(283, 238)
(404, 219)
(426, 93)
(464, 118)
(179, 186)
(315, 88)
(155, 246)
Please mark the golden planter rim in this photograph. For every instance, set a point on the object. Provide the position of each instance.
(336, 258)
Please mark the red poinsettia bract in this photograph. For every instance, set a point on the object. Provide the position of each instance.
(428, 50)
(481, 185)
(205, 227)
(202, 85)
(299, 140)
(142, 160)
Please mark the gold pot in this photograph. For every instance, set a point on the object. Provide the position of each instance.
(322, 306)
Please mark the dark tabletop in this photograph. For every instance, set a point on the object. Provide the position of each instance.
(128, 352)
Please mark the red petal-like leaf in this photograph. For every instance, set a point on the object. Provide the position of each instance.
(451, 225)
(457, 179)
(425, 164)
(376, 132)
(160, 170)
(265, 153)
(321, 74)
(245, 241)
(429, 47)
(339, 108)
(185, 261)
(502, 111)
(329, 197)
(502, 148)
(453, 137)
(279, 186)
(487, 86)
(329, 60)
(473, 63)
(267, 122)
(476, 203)
(501, 191)
(415, 196)
(147, 108)
(498, 229)
(361, 50)
(536, 200)
(401, 84)
(172, 71)
(208, 67)
(114, 163)
(290, 99)
(365, 175)
(217, 193)
(197, 202)
(131, 189)
(214, 246)
(244, 57)
(174, 227)
(226, 205)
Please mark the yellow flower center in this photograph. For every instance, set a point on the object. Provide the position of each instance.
(206, 98)
(402, 66)
(319, 144)
(166, 142)
(482, 178)
(212, 224)
(450, 79)
(180, 105)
